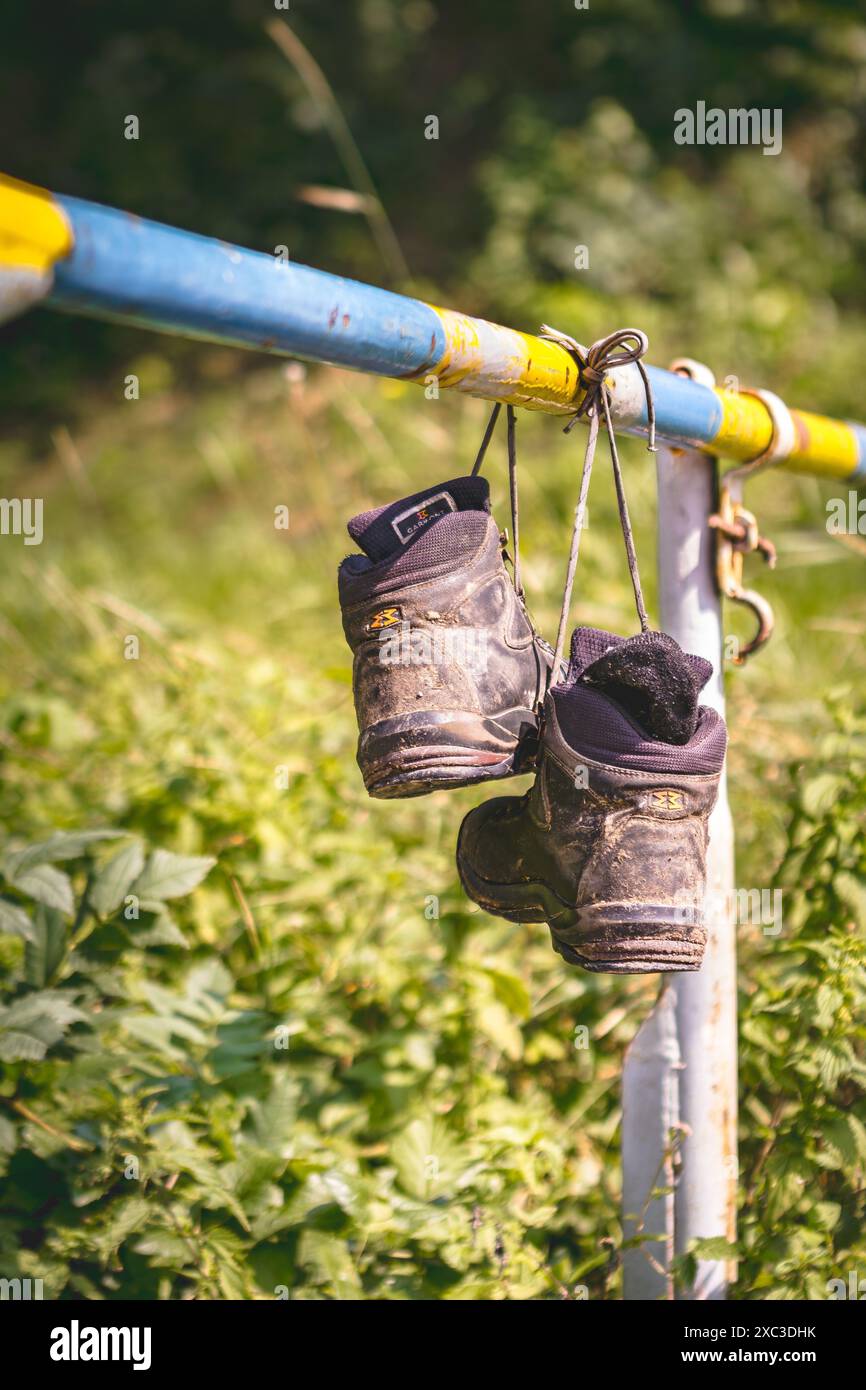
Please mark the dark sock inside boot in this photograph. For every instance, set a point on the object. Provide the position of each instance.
(397, 525)
(654, 681)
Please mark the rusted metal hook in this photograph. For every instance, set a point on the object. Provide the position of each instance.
(737, 535)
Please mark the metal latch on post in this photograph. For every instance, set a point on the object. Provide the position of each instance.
(737, 532)
(738, 536)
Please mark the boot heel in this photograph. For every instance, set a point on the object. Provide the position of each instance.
(634, 938)
(418, 753)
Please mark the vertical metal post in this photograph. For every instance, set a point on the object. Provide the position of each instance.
(685, 1054)
(650, 1114)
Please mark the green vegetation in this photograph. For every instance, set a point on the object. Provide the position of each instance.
(319, 1083)
(802, 1038)
(308, 1063)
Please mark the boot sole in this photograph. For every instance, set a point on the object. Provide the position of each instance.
(609, 938)
(635, 939)
(413, 754)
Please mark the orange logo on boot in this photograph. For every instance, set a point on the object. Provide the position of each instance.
(386, 617)
(667, 799)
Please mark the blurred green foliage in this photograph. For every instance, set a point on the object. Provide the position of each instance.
(324, 1071)
(293, 1074)
(803, 1060)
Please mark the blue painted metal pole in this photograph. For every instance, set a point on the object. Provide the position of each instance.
(123, 267)
(118, 266)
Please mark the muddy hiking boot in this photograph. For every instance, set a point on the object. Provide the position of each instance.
(449, 673)
(609, 846)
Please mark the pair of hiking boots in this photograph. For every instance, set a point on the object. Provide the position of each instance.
(453, 686)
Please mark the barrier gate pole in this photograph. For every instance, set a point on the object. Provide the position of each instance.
(80, 258)
(681, 1068)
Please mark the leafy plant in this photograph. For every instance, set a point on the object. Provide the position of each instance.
(803, 1042)
(321, 1072)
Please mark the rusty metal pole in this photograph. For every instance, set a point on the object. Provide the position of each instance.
(681, 1069)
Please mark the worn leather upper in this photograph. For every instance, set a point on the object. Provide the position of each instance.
(596, 835)
(393, 615)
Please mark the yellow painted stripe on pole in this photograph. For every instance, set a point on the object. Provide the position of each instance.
(34, 233)
(746, 430)
(826, 448)
(503, 364)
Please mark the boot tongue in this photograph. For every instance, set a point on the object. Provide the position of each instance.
(397, 525)
(649, 676)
